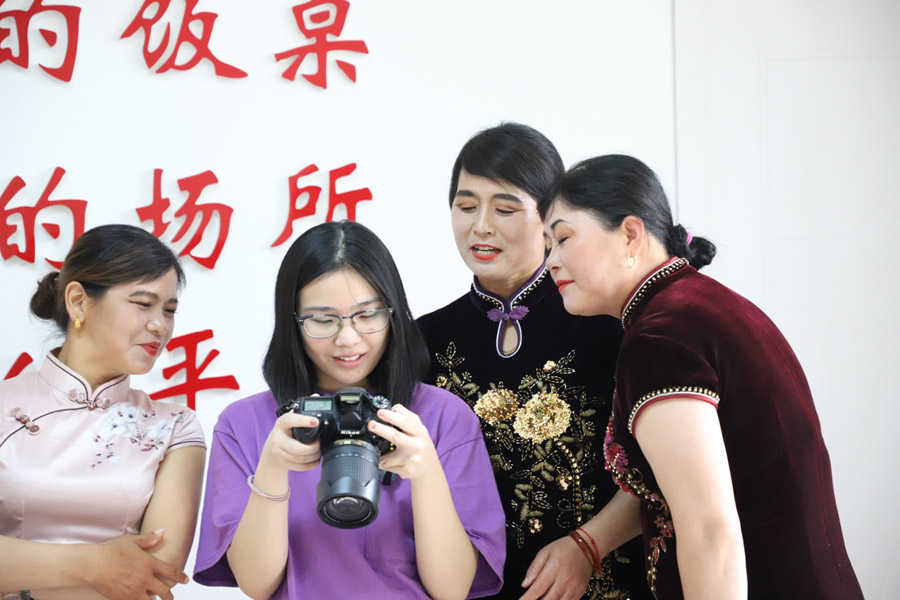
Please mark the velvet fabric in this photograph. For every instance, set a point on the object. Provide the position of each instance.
(687, 335)
(550, 474)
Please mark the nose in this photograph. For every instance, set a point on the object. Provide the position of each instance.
(484, 224)
(347, 336)
(553, 259)
(158, 326)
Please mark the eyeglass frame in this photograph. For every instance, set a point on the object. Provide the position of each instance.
(388, 309)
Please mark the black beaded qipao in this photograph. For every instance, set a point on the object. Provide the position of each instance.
(543, 410)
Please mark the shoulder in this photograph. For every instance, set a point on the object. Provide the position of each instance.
(442, 410)
(440, 315)
(24, 383)
(248, 414)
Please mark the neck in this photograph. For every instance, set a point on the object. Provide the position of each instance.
(81, 362)
(647, 260)
(504, 288)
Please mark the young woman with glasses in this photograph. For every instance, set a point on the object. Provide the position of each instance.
(342, 320)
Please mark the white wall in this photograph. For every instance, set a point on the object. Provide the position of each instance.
(595, 77)
(788, 137)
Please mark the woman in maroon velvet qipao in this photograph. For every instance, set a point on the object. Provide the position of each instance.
(714, 434)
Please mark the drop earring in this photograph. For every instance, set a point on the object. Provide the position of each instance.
(77, 323)
(631, 262)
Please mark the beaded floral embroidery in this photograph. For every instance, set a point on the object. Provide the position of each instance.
(541, 435)
(632, 481)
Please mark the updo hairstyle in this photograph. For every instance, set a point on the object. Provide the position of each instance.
(101, 258)
(614, 186)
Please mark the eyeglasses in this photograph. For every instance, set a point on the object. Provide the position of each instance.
(371, 320)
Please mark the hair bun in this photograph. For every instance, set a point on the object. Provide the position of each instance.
(43, 302)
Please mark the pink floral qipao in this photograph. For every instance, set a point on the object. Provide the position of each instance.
(79, 465)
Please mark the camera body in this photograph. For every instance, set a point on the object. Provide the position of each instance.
(349, 488)
(346, 414)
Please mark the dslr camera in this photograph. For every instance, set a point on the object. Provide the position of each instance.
(348, 491)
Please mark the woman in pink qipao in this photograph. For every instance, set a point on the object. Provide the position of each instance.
(99, 486)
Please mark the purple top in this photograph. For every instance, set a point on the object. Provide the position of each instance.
(377, 561)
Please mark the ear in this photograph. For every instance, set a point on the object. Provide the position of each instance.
(632, 228)
(76, 299)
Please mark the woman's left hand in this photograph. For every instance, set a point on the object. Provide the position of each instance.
(560, 571)
(415, 456)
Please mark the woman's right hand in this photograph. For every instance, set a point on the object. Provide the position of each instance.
(124, 570)
(282, 451)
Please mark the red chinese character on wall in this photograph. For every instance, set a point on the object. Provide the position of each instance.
(189, 211)
(28, 215)
(317, 19)
(23, 361)
(349, 199)
(22, 20)
(153, 11)
(193, 383)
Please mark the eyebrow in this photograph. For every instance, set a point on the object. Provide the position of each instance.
(326, 308)
(557, 222)
(152, 296)
(500, 196)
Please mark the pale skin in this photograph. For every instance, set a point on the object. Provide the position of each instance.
(258, 554)
(129, 566)
(498, 233)
(603, 268)
(502, 216)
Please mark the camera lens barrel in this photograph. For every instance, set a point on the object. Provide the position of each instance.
(349, 489)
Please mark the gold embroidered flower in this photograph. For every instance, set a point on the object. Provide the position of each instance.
(535, 525)
(549, 366)
(495, 406)
(543, 417)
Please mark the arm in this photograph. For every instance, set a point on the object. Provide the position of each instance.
(119, 569)
(175, 502)
(446, 558)
(258, 553)
(560, 569)
(172, 509)
(696, 483)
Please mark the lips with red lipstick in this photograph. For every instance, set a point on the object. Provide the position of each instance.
(152, 348)
(485, 251)
(562, 283)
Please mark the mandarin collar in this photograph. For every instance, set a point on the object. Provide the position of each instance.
(673, 265)
(76, 388)
(513, 309)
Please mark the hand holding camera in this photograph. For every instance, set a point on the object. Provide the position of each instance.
(415, 456)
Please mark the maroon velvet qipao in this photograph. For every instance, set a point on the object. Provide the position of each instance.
(687, 335)
(543, 408)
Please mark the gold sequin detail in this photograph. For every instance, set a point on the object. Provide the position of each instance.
(543, 417)
(549, 366)
(496, 406)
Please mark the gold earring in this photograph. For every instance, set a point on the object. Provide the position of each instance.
(78, 323)
(631, 261)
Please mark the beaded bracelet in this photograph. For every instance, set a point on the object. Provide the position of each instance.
(583, 546)
(259, 492)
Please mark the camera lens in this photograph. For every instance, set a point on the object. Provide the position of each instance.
(348, 491)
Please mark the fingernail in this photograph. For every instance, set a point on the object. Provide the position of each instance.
(159, 531)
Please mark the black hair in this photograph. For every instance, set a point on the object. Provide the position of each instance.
(103, 257)
(615, 186)
(325, 248)
(511, 153)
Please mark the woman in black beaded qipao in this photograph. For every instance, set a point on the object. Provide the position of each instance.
(539, 379)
